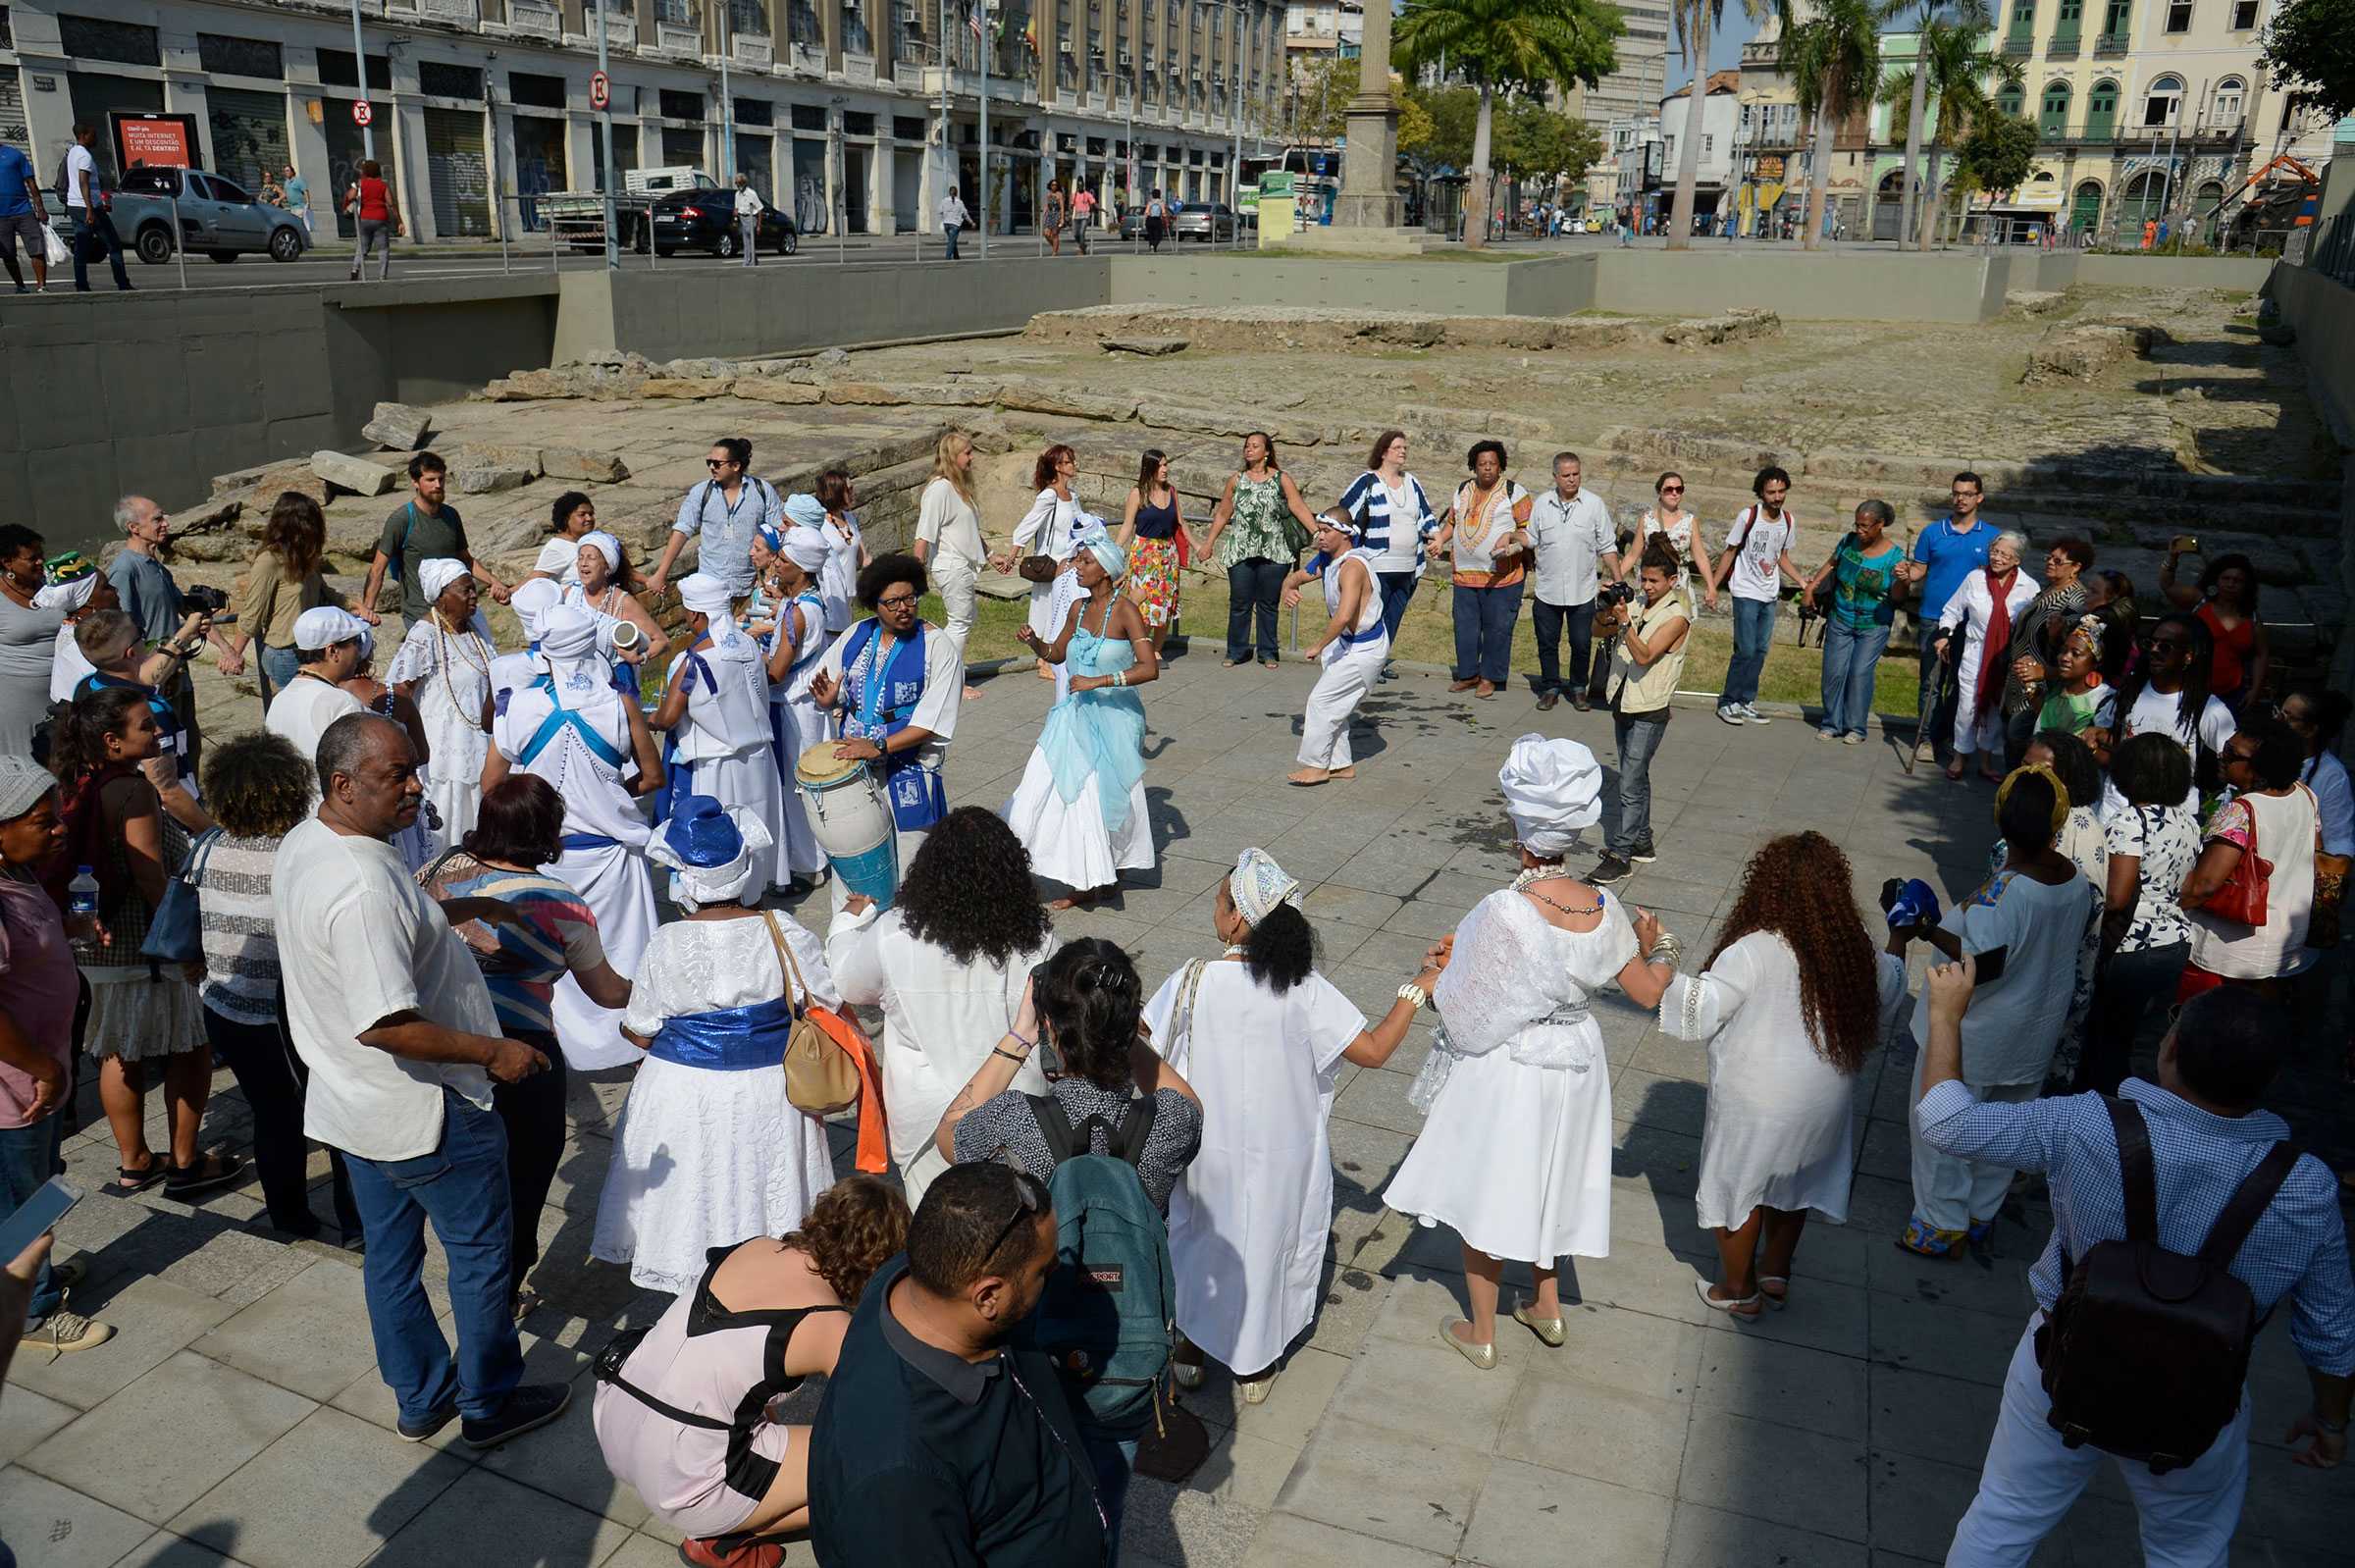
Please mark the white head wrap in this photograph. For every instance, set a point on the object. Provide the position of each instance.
(607, 546)
(694, 886)
(326, 626)
(531, 601)
(806, 547)
(806, 509)
(568, 648)
(1552, 789)
(68, 597)
(1257, 885)
(705, 595)
(1089, 534)
(435, 576)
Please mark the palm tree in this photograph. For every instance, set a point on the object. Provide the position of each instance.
(1506, 46)
(1694, 20)
(1834, 58)
(1952, 66)
(1916, 97)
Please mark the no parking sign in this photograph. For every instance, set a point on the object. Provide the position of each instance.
(600, 90)
(362, 112)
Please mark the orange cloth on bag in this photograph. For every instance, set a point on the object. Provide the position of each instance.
(875, 1141)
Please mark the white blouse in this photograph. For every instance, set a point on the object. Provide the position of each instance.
(693, 966)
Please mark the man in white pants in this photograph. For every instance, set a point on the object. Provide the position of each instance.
(1352, 649)
(2206, 1137)
(748, 219)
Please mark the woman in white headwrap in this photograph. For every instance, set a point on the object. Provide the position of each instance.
(792, 639)
(715, 709)
(444, 666)
(531, 601)
(1081, 807)
(79, 590)
(1260, 1034)
(1516, 1151)
(569, 726)
(708, 1150)
(1353, 649)
(598, 566)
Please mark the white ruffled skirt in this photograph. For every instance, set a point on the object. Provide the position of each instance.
(1069, 843)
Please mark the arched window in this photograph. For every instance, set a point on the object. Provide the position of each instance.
(2085, 206)
(2101, 109)
(2230, 94)
(2052, 119)
(2160, 103)
(2010, 100)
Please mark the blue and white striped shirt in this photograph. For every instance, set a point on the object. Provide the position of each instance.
(1368, 501)
(2298, 1248)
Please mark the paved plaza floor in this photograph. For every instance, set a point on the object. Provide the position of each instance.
(237, 1415)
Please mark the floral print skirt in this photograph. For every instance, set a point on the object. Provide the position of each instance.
(1153, 580)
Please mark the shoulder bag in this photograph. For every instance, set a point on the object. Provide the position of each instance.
(821, 1078)
(175, 933)
(2242, 897)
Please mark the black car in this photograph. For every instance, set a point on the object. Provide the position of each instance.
(705, 220)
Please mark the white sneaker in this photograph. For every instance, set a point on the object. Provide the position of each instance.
(1728, 713)
(1753, 717)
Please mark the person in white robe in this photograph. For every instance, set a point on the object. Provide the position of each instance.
(793, 640)
(1262, 1037)
(444, 666)
(1352, 649)
(531, 601)
(708, 1150)
(1984, 610)
(1050, 528)
(715, 709)
(1515, 1152)
(573, 729)
(1790, 1003)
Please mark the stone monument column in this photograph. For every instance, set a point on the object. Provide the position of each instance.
(1368, 194)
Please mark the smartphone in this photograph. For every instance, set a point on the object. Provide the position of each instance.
(38, 1213)
(2188, 544)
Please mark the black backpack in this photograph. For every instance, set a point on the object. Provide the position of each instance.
(2146, 1354)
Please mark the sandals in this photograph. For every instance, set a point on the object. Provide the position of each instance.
(1779, 1296)
(1745, 1310)
(128, 1181)
(207, 1174)
(1928, 1241)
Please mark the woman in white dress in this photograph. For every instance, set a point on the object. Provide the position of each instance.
(1790, 1003)
(708, 1150)
(1516, 1151)
(1049, 528)
(1353, 649)
(569, 726)
(1081, 807)
(1260, 1034)
(715, 709)
(444, 666)
(1670, 519)
(595, 586)
(947, 964)
(846, 550)
(792, 639)
(1983, 609)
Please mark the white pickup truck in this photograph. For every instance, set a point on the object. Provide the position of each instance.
(577, 217)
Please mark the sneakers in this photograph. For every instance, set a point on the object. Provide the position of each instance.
(1751, 716)
(62, 1333)
(1925, 751)
(1610, 869)
(1642, 853)
(730, 1551)
(1853, 738)
(1729, 713)
(433, 1421)
(534, 1404)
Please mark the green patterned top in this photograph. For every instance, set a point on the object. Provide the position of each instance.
(1257, 525)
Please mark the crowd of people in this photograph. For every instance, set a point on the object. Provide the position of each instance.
(407, 908)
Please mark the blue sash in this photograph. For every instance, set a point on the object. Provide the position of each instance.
(678, 781)
(732, 1039)
(880, 703)
(559, 719)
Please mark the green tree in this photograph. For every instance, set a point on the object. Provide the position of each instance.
(1320, 100)
(1998, 153)
(1415, 127)
(1954, 65)
(1506, 46)
(1694, 20)
(1834, 58)
(2309, 45)
(1532, 139)
(1454, 114)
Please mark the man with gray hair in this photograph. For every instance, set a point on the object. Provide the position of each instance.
(388, 1011)
(152, 598)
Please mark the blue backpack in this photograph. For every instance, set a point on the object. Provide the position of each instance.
(1108, 1317)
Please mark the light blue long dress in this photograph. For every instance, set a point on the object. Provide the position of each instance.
(1080, 808)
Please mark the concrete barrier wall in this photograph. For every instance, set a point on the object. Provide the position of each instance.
(2323, 310)
(2173, 272)
(1446, 288)
(1562, 286)
(1797, 286)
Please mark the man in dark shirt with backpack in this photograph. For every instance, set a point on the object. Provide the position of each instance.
(2180, 1218)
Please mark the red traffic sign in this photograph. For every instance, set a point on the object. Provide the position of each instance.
(362, 112)
(600, 90)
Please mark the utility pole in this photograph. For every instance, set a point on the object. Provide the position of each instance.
(727, 105)
(988, 32)
(604, 126)
(359, 58)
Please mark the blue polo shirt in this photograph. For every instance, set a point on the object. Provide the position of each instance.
(15, 169)
(1950, 557)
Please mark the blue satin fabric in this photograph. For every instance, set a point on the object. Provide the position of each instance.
(1099, 733)
(735, 1039)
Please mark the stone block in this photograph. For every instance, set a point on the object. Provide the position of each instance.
(298, 477)
(2082, 350)
(1732, 326)
(294, 1335)
(1530, 1518)
(488, 478)
(1071, 405)
(239, 478)
(329, 1492)
(397, 427)
(220, 1416)
(358, 475)
(571, 463)
(770, 389)
(682, 387)
(1386, 1485)
(482, 1519)
(1147, 347)
(2034, 301)
(704, 369)
(863, 392)
(71, 1529)
(526, 386)
(1779, 1473)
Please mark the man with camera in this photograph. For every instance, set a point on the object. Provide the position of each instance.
(1648, 658)
(1572, 529)
(157, 604)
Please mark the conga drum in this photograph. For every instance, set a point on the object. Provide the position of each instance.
(851, 820)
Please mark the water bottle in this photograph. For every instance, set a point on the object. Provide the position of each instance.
(82, 901)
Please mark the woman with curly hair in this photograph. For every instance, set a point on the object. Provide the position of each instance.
(767, 1314)
(1790, 1003)
(947, 964)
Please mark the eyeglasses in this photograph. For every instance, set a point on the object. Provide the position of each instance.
(896, 601)
(715, 463)
(1030, 1197)
(1672, 489)
(2172, 643)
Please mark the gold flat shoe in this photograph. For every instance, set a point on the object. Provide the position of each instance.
(1549, 1329)
(1482, 1356)
(1255, 1390)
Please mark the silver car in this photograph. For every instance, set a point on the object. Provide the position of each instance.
(1211, 221)
(217, 216)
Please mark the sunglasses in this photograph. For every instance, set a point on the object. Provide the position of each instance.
(715, 463)
(1031, 1198)
(1672, 489)
(2169, 644)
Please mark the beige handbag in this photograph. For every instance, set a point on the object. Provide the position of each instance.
(819, 1075)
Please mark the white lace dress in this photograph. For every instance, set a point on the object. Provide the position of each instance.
(706, 1158)
(452, 672)
(1516, 1150)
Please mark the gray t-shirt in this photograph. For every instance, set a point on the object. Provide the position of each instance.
(411, 537)
(149, 596)
(27, 650)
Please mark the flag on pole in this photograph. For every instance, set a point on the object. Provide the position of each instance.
(973, 18)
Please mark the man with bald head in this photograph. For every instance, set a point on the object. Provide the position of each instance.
(152, 598)
(389, 1013)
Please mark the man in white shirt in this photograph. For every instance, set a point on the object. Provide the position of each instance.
(328, 648)
(749, 207)
(388, 1012)
(724, 511)
(1573, 530)
(92, 224)
(953, 218)
(1757, 559)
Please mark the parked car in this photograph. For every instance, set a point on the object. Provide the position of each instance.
(1211, 221)
(705, 220)
(578, 217)
(218, 217)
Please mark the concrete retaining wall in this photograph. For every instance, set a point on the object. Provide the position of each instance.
(1797, 285)
(2173, 272)
(1445, 288)
(2323, 310)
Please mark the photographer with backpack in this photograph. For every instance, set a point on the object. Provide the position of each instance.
(2146, 1309)
(1109, 1138)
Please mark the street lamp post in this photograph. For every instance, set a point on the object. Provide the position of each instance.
(359, 56)
(604, 125)
(727, 105)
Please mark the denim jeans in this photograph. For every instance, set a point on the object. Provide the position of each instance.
(1850, 661)
(1396, 589)
(462, 1188)
(1754, 629)
(1638, 736)
(1484, 632)
(1550, 621)
(1935, 701)
(29, 1157)
(277, 667)
(2129, 986)
(951, 230)
(98, 232)
(1253, 585)
(1115, 1460)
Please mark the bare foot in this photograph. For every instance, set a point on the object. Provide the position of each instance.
(971, 692)
(1307, 777)
(1343, 772)
(1046, 671)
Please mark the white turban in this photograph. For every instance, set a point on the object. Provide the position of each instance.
(605, 545)
(806, 509)
(1089, 534)
(806, 548)
(435, 576)
(1552, 789)
(531, 601)
(694, 886)
(326, 626)
(569, 652)
(1257, 885)
(705, 595)
(68, 597)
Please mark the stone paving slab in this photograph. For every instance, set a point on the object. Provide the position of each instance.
(1847, 1430)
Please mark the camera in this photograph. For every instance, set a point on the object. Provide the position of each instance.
(205, 597)
(1610, 596)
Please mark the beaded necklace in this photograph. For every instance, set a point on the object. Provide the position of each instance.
(1539, 873)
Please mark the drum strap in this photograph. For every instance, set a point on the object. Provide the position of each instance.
(558, 720)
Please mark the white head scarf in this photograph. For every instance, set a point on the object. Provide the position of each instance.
(1257, 885)
(568, 648)
(806, 547)
(1089, 534)
(805, 508)
(435, 576)
(705, 595)
(68, 597)
(1552, 789)
(326, 626)
(531, 601)
(694, 886)
(607, 546)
